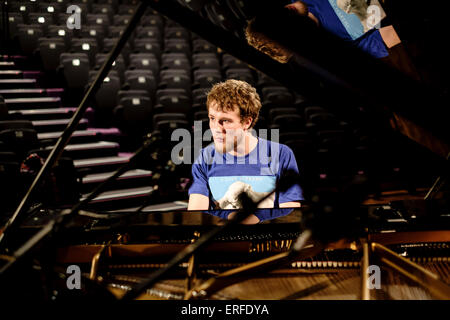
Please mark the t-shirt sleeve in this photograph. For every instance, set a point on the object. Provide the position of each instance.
(312, 7)
(269, 214)
(288, 162)
(372, 43)
(200, 180)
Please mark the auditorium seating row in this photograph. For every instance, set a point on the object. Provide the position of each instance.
(156, 66)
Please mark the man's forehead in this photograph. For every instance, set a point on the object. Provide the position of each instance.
(214, 110)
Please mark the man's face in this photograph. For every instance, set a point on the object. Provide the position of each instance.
(227, 129)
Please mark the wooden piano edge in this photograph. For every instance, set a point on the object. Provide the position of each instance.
(85, 253)
(410, 237)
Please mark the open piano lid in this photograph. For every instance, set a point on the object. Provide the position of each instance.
(354, 81)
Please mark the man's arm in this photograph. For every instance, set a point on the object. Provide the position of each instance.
(290, 204)
(198, 202)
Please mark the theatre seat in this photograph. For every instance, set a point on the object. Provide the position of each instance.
(75, 69)
(134, 115)
(50, 50)
(139, 80)
(28, 36)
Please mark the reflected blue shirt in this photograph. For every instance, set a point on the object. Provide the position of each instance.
(347, 27)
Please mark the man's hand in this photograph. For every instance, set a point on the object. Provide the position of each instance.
(198, 202)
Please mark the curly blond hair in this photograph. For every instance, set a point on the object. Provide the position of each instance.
(236, 94)
(257, 39)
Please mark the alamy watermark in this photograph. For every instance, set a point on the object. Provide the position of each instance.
(74, 21)
(73, 277)
(374, 279)
(369, 15)
(182, 152)
(373, 17)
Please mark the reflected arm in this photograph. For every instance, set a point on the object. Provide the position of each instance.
(290, 204)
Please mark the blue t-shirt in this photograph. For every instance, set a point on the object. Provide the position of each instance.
(222, 177)
(347, 27)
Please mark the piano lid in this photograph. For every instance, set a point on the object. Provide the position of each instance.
(349, 78)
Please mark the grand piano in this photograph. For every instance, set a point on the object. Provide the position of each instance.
(405, 234)
(248, 262)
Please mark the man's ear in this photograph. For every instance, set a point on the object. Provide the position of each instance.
(247, 123)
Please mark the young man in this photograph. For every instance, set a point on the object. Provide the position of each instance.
(237, 161)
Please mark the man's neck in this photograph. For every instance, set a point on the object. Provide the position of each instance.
(250, 142)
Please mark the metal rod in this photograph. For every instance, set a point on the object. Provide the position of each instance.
(65, 137)
(439, 182)
(19, 253)
(365, 294)
(427, 279)
(95, 263)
